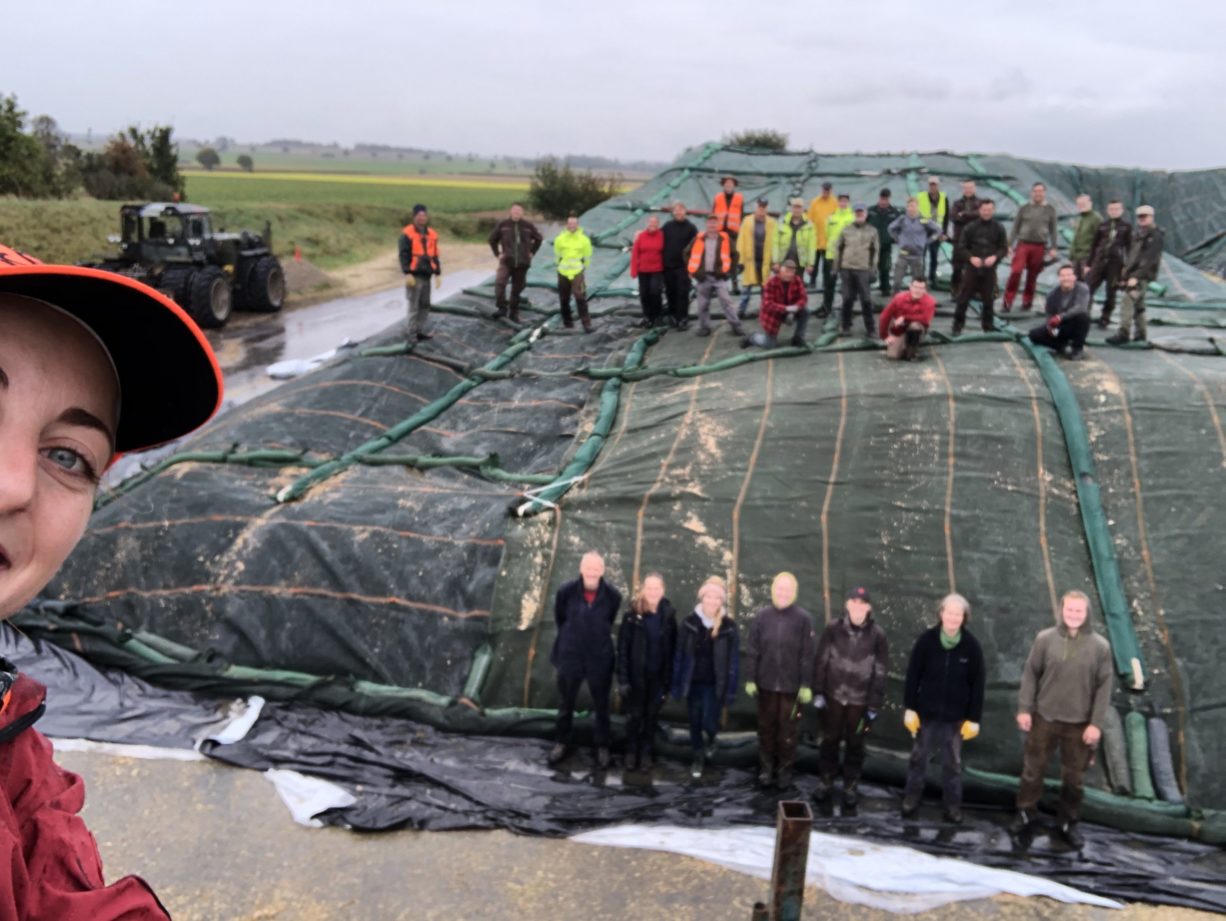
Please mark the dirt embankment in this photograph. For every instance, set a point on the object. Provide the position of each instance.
(308, 284)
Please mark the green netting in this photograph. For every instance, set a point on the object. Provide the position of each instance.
(394, 575)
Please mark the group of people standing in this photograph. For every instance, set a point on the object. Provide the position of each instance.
(785, 666)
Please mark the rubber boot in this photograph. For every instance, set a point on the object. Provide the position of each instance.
(584, 318)
(766, 770)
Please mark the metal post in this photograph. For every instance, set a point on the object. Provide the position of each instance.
(791, 859)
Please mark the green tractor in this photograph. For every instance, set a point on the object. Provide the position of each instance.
(173, 247)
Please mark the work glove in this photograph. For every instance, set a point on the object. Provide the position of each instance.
(410, 281)
(969, 730)
(438, 282)
(805, 696)
(819, 702)
(751, 689)
(911, 720)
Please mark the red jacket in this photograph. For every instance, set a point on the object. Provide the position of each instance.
(776, 298)
(905, 307)
(49, 863)
(647, 254)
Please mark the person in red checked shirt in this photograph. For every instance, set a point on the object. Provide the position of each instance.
(905, 321)
(92, 365)
(647, 265)
(783, 301)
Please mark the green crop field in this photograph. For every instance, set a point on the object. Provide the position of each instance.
(450, 196)
(385, 164)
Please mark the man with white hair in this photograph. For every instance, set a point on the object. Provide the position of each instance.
(944, 700)
(584, 611)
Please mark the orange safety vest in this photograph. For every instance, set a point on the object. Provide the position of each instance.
(725, 257)
(729, 215)
(427, 248)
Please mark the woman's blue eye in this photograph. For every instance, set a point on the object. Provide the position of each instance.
(67, 458)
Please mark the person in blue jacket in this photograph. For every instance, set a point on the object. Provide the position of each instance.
(584, 611)
(707, 668)
(645, 643)
(944, 701)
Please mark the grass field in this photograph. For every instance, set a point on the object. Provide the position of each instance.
(386, 164)
(336, 220)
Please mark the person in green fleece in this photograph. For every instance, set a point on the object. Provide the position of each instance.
(1065, 693)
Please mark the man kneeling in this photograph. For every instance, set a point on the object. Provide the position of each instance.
(783, 300)
(1068, 316)
(906, 319)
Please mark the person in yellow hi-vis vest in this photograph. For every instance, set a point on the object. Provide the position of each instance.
(820, 210)
(934, 206)
(840, 218)
(572, 251)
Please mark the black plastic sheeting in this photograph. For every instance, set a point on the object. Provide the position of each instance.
(405, 774)
(84, 702)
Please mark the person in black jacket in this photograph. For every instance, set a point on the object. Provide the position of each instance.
(982, 244)
(584, 610)
(706, 667)
(679, 236)
(849, 674)
(1107, 255)
(645, 643)
(944, 700)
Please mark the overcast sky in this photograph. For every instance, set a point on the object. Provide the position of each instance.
(1127, 82)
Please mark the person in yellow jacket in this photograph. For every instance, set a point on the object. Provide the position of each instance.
(572, 252)
(755, 249)
(934, 206)
(820, 210)
(839, 218)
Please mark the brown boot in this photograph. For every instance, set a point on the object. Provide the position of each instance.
(584, 318)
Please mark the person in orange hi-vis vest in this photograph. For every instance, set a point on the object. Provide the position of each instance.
(710, 265)
(729, 207)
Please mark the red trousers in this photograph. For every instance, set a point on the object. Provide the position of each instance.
(1029, 256)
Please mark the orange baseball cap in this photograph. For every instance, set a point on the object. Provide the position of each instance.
(169, 380)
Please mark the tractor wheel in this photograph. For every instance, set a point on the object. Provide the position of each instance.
(176, 284)
(265, 286)
(210, 301)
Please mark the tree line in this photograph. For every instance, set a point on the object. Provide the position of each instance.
(38, 161)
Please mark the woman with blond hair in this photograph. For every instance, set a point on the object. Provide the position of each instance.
(944, 701)
(706, 667)
(645, 643)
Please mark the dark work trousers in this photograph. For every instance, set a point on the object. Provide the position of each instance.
(820, 264)
(958, 264)
(677, 290)
(842, 724)
(1071, 332)
(518, 276)
(734, 275)
(568, 689)
(1107, 273)
(827, 282)
(651, 295)
(704, 714)
(643, 714)
(1041, 742)
(934, 252)
(856, 285)
(1028, 258)
(945, 738)
(778, 729)
(578, 287)
(1081, 268)
(883, 269)
(977, 283)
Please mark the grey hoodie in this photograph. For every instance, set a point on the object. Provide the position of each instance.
(913, 233)
(1067, 679)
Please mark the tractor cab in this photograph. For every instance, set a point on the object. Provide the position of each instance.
(166, 233)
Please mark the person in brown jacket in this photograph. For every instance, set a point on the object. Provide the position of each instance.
(1065, 693)
(778, 664)
(514, 242)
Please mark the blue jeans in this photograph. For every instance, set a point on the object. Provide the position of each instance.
(704, 714)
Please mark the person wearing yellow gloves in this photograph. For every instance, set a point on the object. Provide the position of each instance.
(944, 700)
(778, 662)
(849, 677)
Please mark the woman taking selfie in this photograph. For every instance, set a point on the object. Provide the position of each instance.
(92, 365)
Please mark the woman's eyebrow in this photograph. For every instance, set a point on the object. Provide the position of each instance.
(78, 416)
(4, 379)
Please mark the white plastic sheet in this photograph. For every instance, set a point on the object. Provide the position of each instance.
(306, 797)
(892, 878)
